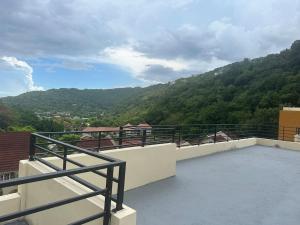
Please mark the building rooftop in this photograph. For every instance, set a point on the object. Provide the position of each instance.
(254, 185)
(101, 129)
(13, 148)
(291, 108)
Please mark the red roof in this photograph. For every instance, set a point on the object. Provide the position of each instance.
(105, 143)
(102, 129)
(144, 125)
(14, 146)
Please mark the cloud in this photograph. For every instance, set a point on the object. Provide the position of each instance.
(154, 40)
(137, 62)
(16, 77)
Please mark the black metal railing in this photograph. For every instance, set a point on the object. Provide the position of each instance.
(62, 144)
(41, 146)
(182, 135)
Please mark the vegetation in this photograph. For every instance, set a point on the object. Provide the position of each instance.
(23, 120)
(69, 138)
(251, 91)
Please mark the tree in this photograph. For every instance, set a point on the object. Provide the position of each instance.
(6, 117)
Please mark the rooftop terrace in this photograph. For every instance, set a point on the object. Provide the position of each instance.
(251, 186)
(190, 175)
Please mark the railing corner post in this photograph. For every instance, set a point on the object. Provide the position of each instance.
(108, 193)
(121, 186)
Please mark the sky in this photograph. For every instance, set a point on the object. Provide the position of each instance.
(82, 44)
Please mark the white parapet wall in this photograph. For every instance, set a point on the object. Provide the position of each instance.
(194, 151)
(144, 165)
(9, 204)
(40, 193)
(278, 143)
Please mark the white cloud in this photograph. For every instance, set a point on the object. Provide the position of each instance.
(145, 37)
(137, 62)
(16, 77)
(153, 69)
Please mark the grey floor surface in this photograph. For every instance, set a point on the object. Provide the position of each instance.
(253, 186)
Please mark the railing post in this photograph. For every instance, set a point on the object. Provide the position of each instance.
(121, 185)
(99, 141)
(199, 136)
(215, 134)
(173, 135)
(65, 158)
(32, 147)
(120, 137)
(144, 137)
(179, 136)
(107, 203)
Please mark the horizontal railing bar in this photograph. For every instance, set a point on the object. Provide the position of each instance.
(49, 151)
(88, 219)
(75, 178)
(49, 206)
(74, 162)
(97, 155)
(51, 175)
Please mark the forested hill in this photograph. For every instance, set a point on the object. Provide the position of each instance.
(244, 92)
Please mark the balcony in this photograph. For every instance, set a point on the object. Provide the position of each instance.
(174, 175)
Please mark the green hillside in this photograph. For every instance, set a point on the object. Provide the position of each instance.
(250, 91)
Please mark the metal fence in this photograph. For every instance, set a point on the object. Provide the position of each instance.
(182, 135)
(41, 146)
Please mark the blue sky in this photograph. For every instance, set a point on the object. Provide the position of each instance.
(96, 76)
(107, 44)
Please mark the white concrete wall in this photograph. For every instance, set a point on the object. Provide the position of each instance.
(144, 165)
(208, 149)
(297, 138)
(9, 204)
(278, 143)
(39, 193)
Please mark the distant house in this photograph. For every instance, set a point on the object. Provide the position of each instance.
(101, 129)
(145, 126)
(132, 135)
(89, 142)
(14, 146)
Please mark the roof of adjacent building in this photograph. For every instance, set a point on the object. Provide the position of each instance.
(144, 125)
(291, 108)
(102, 129)
(92, 143)
(128, 125)
(14, 146)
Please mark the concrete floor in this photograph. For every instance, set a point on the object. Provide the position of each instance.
(253, 186)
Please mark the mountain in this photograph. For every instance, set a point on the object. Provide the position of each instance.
(250, 91)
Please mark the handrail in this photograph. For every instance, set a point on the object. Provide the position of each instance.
(51, 175)
(130, 136)
(109, 164)
(97, 155)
